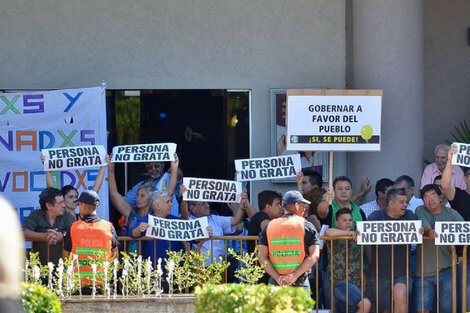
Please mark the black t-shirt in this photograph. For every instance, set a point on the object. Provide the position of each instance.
(254, 228)
(385, 251)
(89, 218)
(461, 203)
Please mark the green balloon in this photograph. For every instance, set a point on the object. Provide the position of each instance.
(366, 132)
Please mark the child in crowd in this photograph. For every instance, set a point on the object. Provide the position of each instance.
(344, 226)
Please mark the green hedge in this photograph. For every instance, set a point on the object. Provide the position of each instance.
(240, 298)
(39, 299)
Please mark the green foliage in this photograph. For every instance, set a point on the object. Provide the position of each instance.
(211, 274)
(461, 133)
(38, 299)
(250, 271)
(131, 280)
(189, 269)
(33, 261)
(261, 298)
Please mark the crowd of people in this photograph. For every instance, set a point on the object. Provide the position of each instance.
(288, 227)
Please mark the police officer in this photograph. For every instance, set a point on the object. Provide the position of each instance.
(91, 237)
(288, 246)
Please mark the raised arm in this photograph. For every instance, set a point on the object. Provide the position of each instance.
(184, 211)
(447, 187)
(173, 175)
(116, 199)
(49, 181)
(322, 208)
(365, 187)
(238, 217)
(100, 176)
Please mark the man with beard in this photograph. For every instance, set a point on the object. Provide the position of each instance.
(165, 182)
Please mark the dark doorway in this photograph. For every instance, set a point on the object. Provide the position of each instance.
(210, 127)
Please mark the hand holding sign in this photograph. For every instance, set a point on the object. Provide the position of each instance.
(460, 154)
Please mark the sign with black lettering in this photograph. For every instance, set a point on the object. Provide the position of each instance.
(267, 168)
(156, 152)
(389, 233)
(333, 120)
(462, 157)
(74, 157)
(177, 230)
(452, 233)
(212, 190)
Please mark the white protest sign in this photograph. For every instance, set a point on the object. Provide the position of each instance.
(389, 233)
(452, 233)
(34, 121)
(158, 152)
(177, 230)
(462, 158)
(212, 190)
(267, 168)
(74, 157)
(333, 120)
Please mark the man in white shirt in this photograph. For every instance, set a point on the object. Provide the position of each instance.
(380, 202)
(407, 183)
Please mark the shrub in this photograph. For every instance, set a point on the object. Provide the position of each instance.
(39, 299)
(261, 298)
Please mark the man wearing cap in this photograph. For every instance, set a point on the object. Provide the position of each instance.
(90, 237)
(288, 246)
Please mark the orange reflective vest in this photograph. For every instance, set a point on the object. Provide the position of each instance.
(91, 241)
(286, 243)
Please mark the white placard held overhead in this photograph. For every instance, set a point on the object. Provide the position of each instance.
(268, 168)
(212, 190)
(452, 233)
(389, 233)
(157, 152)
(177, 230)
(333, 120)
(74, 157)
(462, 158)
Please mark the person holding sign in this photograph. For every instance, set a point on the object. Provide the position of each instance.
(160, 202)
(344, 224)
(70, 193)
(131, 214)
(91, 237)
(396, 211)
(288, 246)
(432, 211)
(161, 181)
(459, 198)
(220, 225)
(436, 168)
(342, 198)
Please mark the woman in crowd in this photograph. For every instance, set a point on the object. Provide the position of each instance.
(70, 193)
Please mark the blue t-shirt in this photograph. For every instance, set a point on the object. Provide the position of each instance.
(162, 245)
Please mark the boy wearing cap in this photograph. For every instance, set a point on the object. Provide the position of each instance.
(90, 237)
(288, 246)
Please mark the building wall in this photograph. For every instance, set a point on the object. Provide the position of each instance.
(447, 70)
(183, 44)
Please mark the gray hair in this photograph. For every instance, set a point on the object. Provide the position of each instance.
(441, 146)
(148, 187)
(155, 196)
